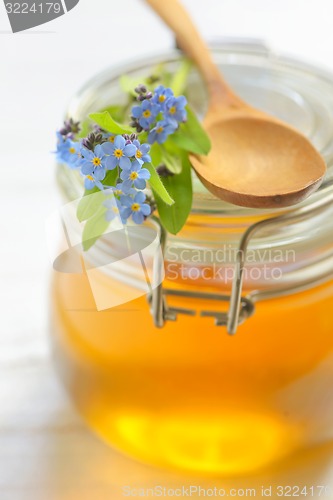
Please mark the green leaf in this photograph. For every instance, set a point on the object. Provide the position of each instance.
(172, 160)
(117, 112)
(94, 228)
(191, 136)
(107, 123)
(143, 136)
(179, 79)
(111, 177)
(180, 188)
(89, 204)
(157, 186)
(156, 154)
(93, 199)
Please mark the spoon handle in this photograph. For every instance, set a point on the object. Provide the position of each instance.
(190, 41)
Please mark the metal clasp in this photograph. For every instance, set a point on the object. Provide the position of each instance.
(162, 312)
(240, 307)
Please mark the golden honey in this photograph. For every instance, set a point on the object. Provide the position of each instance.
(190, 396)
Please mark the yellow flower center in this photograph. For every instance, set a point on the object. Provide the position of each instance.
(138, 154)
(72, 150)
(111, 139)
(133, 176)
(118, 153)
(147, 113)
(97, 161)
(115, 210)
(118, 192)
(159, 130)
(135, 207)
(161, 98)
(90, 178)
(173, 110)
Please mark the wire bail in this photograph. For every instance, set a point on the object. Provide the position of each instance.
(240, 308)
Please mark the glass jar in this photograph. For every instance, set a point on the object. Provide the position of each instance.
(161, 379)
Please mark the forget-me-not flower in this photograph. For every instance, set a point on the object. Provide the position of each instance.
(90, 183)
(109, 137)
(135, 207)
(161, 131)
(161, 95)
(175, 109)
(113, 207)
(142, 151)
(93, 162)
(68, 151)
(121, 189)
(146, 113)
(136, 176)
(119, 153)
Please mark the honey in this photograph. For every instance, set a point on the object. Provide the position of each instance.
(190, 396)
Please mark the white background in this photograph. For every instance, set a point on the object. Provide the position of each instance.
(43, 445)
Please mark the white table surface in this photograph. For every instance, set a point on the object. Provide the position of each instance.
(46, 452)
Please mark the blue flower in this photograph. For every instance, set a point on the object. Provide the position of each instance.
(161, 95)
(142, 151)
(60, 142)
(161, 131)
(121, 189)
(135, 175)
(68, 151)
(90, 182)
(135, 207)
(113, 207)
(93, 162)
(175, 109)
(146, 113)
(109, 137)
(119, 153)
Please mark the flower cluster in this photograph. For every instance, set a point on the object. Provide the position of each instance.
(100, 153)
(159, 113)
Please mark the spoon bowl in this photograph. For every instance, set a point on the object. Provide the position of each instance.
(256, 160)
(287, 170)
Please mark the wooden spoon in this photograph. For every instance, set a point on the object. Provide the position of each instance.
(256, 160)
